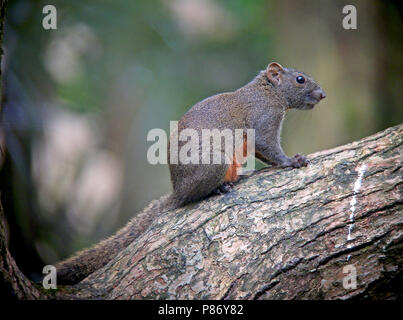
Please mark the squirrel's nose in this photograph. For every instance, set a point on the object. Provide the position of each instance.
(319, 94)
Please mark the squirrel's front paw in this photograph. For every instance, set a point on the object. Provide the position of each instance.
(297, 161)
(302, 160)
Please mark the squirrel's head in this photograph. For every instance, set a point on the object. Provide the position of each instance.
(300, 90)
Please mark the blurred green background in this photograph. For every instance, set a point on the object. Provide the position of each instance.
(80, 100)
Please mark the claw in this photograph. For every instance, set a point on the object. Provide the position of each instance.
(302, 160)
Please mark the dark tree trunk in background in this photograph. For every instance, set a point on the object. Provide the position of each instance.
(13, 283)
(280, 234)
(388, 70)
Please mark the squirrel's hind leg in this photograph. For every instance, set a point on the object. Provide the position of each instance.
(195, 182)
(224, 188)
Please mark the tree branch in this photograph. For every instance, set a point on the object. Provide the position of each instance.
(280, 234)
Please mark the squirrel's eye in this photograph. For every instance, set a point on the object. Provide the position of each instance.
(300, 79)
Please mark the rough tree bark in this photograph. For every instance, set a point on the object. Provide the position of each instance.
(280, 234)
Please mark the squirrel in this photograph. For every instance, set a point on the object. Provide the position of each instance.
(259, 105)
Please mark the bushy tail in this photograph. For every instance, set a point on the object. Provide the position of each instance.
(85, 262)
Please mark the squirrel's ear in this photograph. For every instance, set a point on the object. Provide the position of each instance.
(274, 73)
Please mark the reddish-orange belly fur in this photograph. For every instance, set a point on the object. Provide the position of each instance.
(232, 173)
